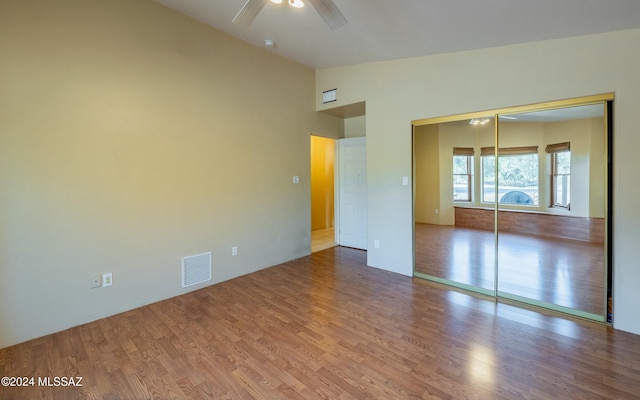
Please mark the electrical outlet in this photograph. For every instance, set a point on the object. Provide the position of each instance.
(94, 281)
(234, 251)
(376, 244)
(107, 279)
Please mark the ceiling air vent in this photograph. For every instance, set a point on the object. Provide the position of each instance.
(196, 269)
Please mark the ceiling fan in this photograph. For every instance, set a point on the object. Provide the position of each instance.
(327, 10)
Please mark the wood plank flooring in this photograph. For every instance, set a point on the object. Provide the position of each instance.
(564, 272)
(327, 326)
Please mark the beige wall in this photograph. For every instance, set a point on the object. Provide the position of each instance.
(427, 174)
(323, 152)
(398, 92)
(131, 136)
(355, 126)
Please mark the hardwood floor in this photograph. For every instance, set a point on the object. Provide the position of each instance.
(564, 272)
(327, 326)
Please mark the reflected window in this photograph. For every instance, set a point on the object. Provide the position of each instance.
(560, 163)
(517, 179)
(462, 174)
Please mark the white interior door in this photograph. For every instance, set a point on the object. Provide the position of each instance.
(352, 192)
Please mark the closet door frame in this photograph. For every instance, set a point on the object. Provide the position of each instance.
(607, 101)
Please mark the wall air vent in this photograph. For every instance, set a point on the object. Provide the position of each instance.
(196, 269)
(329, 96)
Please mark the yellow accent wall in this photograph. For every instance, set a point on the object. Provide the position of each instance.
(131, 136)
(322, 182)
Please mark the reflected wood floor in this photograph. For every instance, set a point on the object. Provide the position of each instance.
(564, 272)
(327, 326)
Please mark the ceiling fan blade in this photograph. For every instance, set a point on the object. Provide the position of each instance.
(330, 13)
(249, 12)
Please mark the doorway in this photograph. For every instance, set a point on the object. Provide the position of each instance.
(323, 235)
(338, 193)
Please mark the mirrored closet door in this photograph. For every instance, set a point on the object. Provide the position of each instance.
(551, 208)
(454, 229)
(514, 204)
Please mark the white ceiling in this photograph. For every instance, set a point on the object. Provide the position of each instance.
(380, 30)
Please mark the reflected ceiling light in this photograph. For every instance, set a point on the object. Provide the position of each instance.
(479, 121)
(276, 1)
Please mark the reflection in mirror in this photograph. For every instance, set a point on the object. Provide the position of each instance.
(544, 177)
(447, 159)
(551, 200)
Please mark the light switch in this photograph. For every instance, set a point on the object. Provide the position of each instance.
(296, 179)
(405, 180)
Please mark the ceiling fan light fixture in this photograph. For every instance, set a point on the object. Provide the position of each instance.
(326, 8)
(296, 3)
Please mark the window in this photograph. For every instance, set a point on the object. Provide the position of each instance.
(560, 157)
(517, 175)
(462, 173)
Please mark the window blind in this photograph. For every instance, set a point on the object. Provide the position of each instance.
(463, 151)
(509, 151)
(558, 147)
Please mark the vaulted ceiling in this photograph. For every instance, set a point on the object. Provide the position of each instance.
(380, 30)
